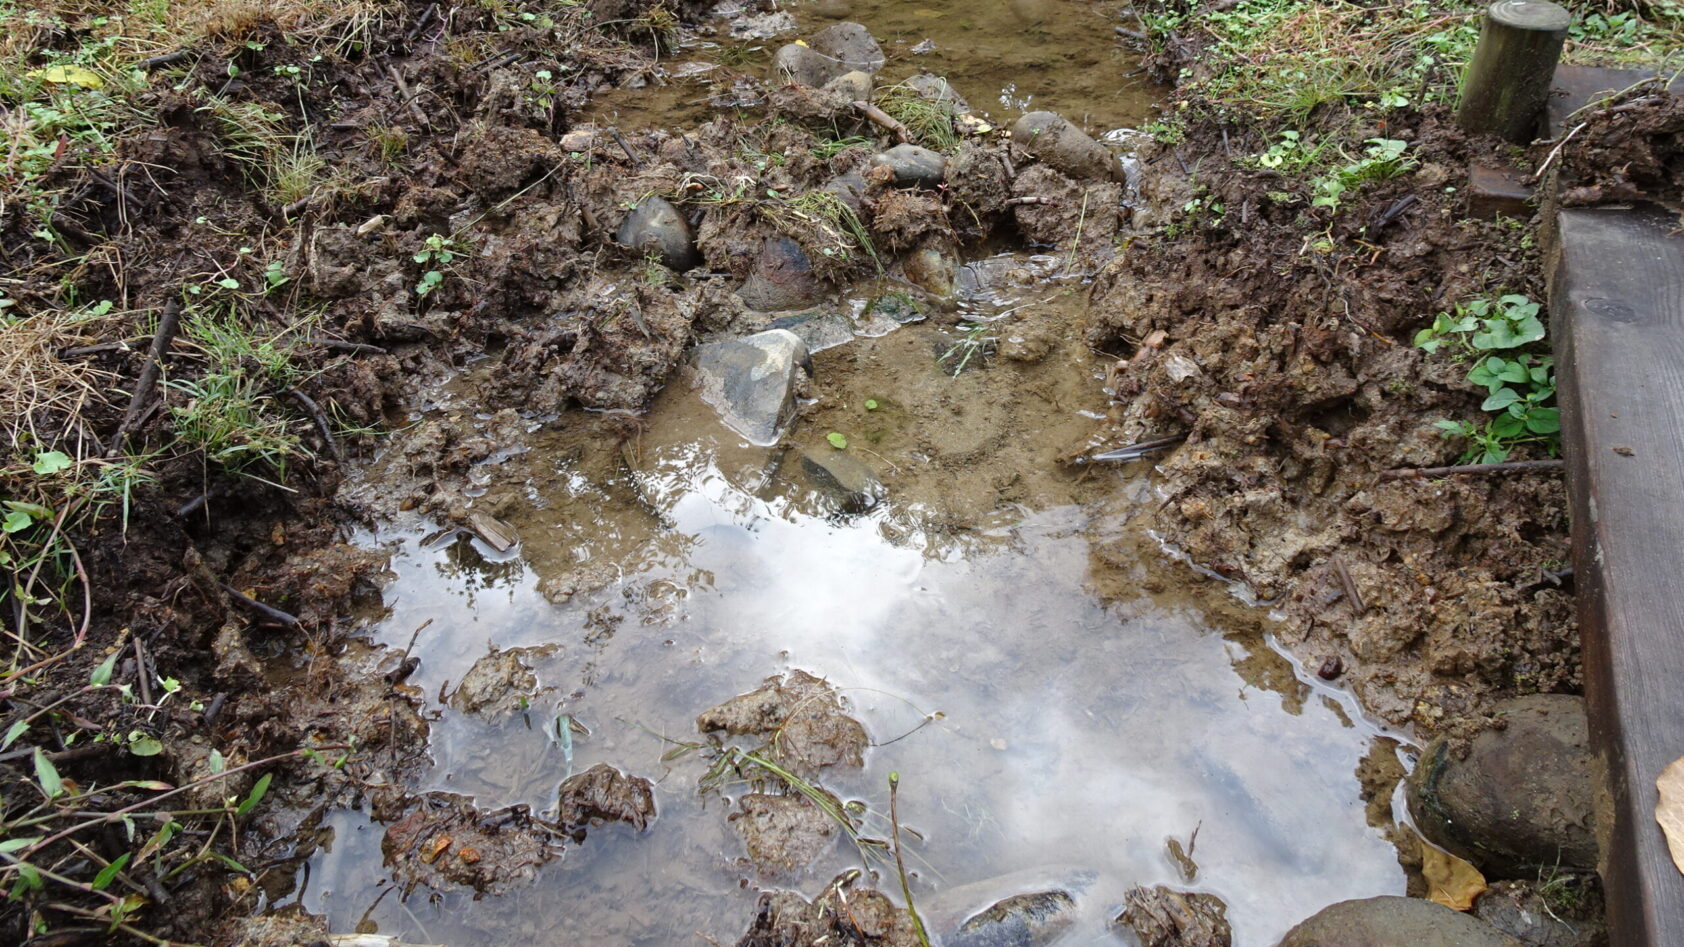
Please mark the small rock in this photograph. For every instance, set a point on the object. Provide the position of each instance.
(1392, 921)
(937, 89)
(850, 188)
(933, 269)
(1022, 920)
(819, 331)
(799, 716)
(912, 165)
(783, 833)
(1569, 916)
(799, 64)
(1057, 143)
(836, 474)
(1162, 917)
(855, 85)
(782, 278)
(850, 46)
(751, 381)
(655, 226)
(1027, 341)
(579, 140)
(604, 794)
(1524, 796)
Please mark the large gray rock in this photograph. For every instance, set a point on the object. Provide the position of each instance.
(850, 46)
(1394, 922)
(799, 64)
(782, 278)
(655, 226)
(913, 166)
(1064, 147)
(1022, 920)
(751, 381)
(1523, 797)
(818, 330)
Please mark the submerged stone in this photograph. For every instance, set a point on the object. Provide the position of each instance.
(850, 46)
(818, 330)
(932, 269)
(897, 306)
(655, 226)
(836, 474)
(751, 381)
(799, 64)
(800, 717)
(1163, 917)
(783, 833)
(1392, 921)
(1524, 795)
(1066, 148)
(1022, 920)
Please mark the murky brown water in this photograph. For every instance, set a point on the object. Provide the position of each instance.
(1091, 707)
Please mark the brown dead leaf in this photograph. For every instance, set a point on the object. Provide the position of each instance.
(1669, 811)
(435, 848)
(1451, 881)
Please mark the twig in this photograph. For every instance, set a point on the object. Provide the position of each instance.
(83, 351)
(414, 106)
(191, 506)
(1557, 150)
(885, 120)
(152, 62)
(900, 863)
(421, 22)
(168, 322)
(353, 348)
(497, 60)
(1403, 473)
(315, 411)
(267, 611)
(625, 146)
(1350, 587)
(1136, 450)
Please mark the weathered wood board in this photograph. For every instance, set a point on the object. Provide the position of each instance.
(1617, 308)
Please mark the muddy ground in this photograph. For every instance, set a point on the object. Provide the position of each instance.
(1287, 370)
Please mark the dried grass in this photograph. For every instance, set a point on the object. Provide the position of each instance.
(47, 396)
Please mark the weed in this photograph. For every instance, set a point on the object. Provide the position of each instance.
(829, 148)
(975, 344)
(929, 120)
(1519, 385)
(1385, 159)
(437, 253)
(389, 143)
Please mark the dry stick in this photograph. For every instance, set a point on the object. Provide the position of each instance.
(163, 60)
(1557, 150)
(1350, 587)
(625, 146)
(900, 863)
(884, 119)
(414, 106)
(315, 412)
(168, 323)
(353, 348)
(267, 611)
(1403, 473)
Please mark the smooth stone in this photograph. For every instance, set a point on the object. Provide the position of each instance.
(855, 85)
(913, 166)
(782, 278)
(1391, 921)
(937, 89)
(819, 330)
(1064, 147)
(1518, 909)
(1022, 920)
(838, 475)
(850, 46)
(933, 270)
(799, 64)
(850, 188)
(751, 381)
(1523, 797)
(655, 226)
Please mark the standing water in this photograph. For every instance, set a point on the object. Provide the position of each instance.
(1065, 704)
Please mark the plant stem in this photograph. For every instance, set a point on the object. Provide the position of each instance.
(1404, 473)
(900, 863)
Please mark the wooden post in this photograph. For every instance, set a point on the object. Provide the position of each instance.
(1508, 80)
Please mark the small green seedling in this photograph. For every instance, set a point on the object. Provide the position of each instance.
(438, 252)
(871, 404)
(837, 440)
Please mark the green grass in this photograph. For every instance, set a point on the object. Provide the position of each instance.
(929, 120)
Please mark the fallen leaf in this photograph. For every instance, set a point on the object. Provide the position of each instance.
(435, 848)
(1451, 881)
(1669, 811)
(71, 75)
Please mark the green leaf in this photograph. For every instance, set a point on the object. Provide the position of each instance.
(50, 462)
(17, 521)
(144, 744)
(109, 872)
(1507, 425)
(13, 844)
(837, 440)
(1543, 420)
(47, 775)
(16, 730)
(217, 763)
(102, 674)
(1500, 400)
(255, 796)
(28, 877)
(871, 404)
(228, 282)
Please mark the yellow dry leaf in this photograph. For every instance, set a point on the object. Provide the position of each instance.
(69, 75)
(1451, 881)
(801, 42)
(1669, 811)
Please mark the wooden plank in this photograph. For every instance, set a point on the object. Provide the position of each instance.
(1617, 308)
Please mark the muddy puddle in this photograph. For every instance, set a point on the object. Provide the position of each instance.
(1056, 720)
(1003, 58)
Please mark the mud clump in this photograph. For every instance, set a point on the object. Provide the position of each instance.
(799, 717)
(498, 686)
(840, 915)
(1162, 917)
(784, 833)
(460, 845)
(604, 794)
